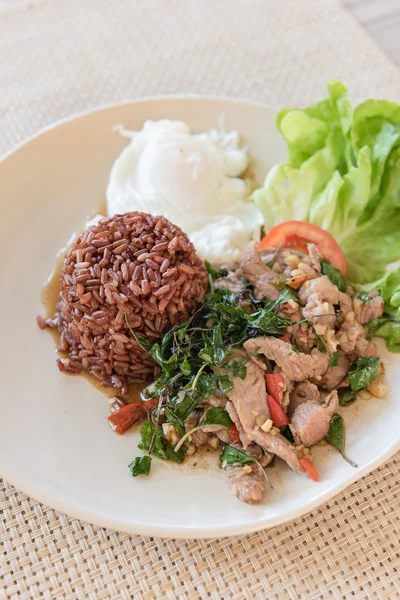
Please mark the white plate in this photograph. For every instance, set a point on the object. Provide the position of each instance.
(55, 443)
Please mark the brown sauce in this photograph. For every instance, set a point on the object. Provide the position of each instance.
(49, 297)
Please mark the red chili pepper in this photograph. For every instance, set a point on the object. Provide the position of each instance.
(234, 433)
(309, 468)
(275, 386)
(278, 415)
(287, 306)
(285, 338)
(128, 415)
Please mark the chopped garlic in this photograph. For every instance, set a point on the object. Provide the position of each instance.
(213, 441)
(267, 425)
(247, 469)
(377, 389)
(293, 304)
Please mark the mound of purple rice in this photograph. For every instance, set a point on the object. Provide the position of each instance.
(129, 273)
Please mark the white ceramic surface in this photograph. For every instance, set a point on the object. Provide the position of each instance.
(55, 443)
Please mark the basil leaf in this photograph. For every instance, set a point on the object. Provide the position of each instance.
(186, 405)
(225, 384)
(336, 436)
(363, 371)
(268, 322)
(146, 433)
(347, 397)
(177, 457)
(333, 274)
(334, 360)
(215, 273)
(185, 366)
(376, 323)
(174, 420)
(142, 341)
(140, 466)
(216, 416)
(233, 456)
(214, 351)
(286, 294)
(236, 368)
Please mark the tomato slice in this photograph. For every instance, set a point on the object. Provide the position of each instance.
(296, 235)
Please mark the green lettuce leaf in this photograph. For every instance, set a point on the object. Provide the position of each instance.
(342, 174)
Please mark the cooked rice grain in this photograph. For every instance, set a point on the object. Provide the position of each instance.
(133, 267)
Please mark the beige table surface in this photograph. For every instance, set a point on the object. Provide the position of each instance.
(61, 57)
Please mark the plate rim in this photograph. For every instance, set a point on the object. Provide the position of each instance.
(103, 107)
(173, 531)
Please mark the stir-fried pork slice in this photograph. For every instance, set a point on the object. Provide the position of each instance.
(296, 365)
(371, 309)
(230, 409)
(255, 451)
(199, 438)
(335, 375)
(249, 397)
(249, 400)
(303, 337)
(223, 435)
(279, 445)
(365, 347)
(315, 256)
(256, 271)
(319, 296)
(310, 420)
(216, 401)
(348, 334)
(345, 304)
(246, 482)
(302, 392)
(231, 282)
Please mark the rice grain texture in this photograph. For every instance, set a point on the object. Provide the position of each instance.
(132, 268)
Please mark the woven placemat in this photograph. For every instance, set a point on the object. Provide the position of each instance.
(59, 58)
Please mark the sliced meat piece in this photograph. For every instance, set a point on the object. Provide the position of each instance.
(255, 451)
(303, 337)
(216, 401)
(279, 445)
(310, 420)
(231, 282)
(296, 365)
(246, 482)
(257, 273)
(335, 375)
(372, 309)
(223, 435)
(345, 304)
(319, 296)
(365, 347)
(249, 397)
(235, 418)
(315, 256)
(199, 438)
(348, 335)
(302, 392)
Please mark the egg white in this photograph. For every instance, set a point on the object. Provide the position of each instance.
(194, 180)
